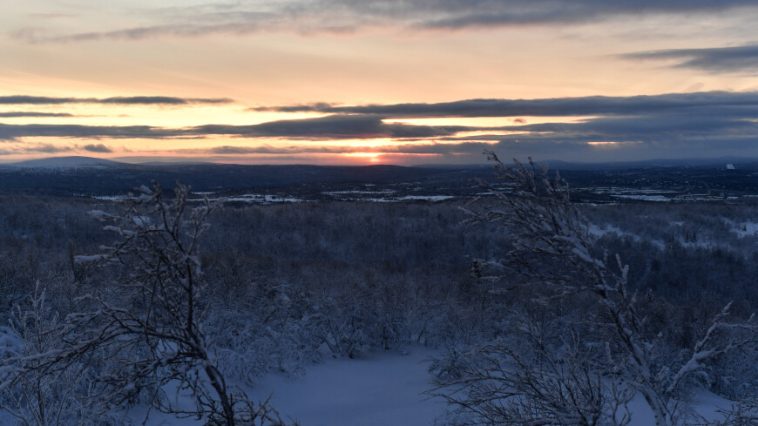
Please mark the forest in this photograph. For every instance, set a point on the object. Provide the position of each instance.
(539, 310)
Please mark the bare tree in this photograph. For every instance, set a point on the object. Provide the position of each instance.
(148, 324)
(741, 413)
(554, 253)
(529, 382)
(36, 398)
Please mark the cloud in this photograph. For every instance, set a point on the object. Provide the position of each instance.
(278, 150)
(737, 59)
(425, 148)
(161, 100)
(99, 148)
(14, 131)
(22, 114)
(456, 14)
(323, 128)
(580, 106)
(659, 126)
(317, 107)
(331, 127)
(674, 125)
(693, 124)
(698, 133)
(130, 100)
(36, 149)
(46, 148)
(351, 15)
(40, 100)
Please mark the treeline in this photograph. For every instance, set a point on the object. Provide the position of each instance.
(686, 251)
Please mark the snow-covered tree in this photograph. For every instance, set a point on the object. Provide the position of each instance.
(147, 320)
(554, 259)
(529, 380)
(37, 398)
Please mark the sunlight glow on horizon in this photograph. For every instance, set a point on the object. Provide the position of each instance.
(314, 71)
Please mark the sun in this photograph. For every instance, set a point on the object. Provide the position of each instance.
(370, 157)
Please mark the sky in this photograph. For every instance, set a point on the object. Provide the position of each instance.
(380, 81)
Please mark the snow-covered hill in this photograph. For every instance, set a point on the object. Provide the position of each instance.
(70, 162)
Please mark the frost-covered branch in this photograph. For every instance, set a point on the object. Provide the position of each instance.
(552, 246)
(149, 325)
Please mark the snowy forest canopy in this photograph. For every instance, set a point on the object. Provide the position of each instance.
(541, 311)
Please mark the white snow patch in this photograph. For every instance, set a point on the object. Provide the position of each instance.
(259, 199)
(616, 190)
(405, 198)
(82, 259)
(599, 232)
(431, 198)
(113, 197)
(382, 389)
(385, 389)
(359, 192)
(745, 229)
(653, 198)
(704, 406)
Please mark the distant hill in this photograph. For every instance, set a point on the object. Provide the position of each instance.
(71, 162)
(90, 176)
(83, 176)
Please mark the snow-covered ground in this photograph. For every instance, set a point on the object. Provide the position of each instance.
(381, 389)
(653, 198)
(359, 192)
(600, 231)
(258, 199)
(707, 408)
(378, 390)
(384, 196)
(381, 196)
(744, 229)
(384, 389)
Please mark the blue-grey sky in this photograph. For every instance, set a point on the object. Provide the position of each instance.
(394, 81)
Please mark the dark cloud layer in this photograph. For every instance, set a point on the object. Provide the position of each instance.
(98, 148)
(131, 100)
(737, 59)
(37, 149)
(486, 13)
(286, 150)
(14, 131)
(45, 148)
(330, 127)
(583, 106)
(695, 124)
(350, 15)
(433, 148)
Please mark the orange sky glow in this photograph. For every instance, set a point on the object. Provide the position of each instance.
(346, 82)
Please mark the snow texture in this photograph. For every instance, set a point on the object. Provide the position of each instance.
(380, 390)
(385, 389)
